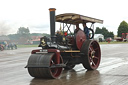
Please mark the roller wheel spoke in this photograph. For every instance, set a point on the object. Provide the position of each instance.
(91, 48)
(96, 57)
(96, 49)
(93, 63)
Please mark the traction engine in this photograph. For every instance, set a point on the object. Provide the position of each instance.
(65, 49)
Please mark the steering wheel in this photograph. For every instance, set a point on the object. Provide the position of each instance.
(91, 33)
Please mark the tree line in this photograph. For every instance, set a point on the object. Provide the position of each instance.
(104, 32)
(123, 28)
(24, 32)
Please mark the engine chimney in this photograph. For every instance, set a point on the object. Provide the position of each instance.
(52, 21)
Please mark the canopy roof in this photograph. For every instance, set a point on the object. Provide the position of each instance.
(72, 18)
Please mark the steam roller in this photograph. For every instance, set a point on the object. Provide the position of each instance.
(65, 48)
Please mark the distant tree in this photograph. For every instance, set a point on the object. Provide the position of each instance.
(123, 28)
(98, 30)
(105, 32)
(24, 32)
(111, 34)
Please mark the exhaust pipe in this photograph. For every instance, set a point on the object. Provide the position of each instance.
(52, 21)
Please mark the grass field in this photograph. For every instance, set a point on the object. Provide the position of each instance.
(26, 46)
(114, 42)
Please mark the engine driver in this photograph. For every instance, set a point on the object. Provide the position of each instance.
(86, 30)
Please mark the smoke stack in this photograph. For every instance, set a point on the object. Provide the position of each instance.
(52, 21)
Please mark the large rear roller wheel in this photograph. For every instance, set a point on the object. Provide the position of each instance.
(92, 54)
(46, 61)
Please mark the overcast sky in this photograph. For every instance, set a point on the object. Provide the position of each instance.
(35, 14)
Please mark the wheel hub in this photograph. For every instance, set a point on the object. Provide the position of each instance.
(93, 54)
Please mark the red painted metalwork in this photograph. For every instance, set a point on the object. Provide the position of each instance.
(94, 54)
(80, 38)
(55, 72)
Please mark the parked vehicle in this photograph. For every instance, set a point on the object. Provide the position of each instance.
(11, 46)
(1, 47)
(109, 39)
